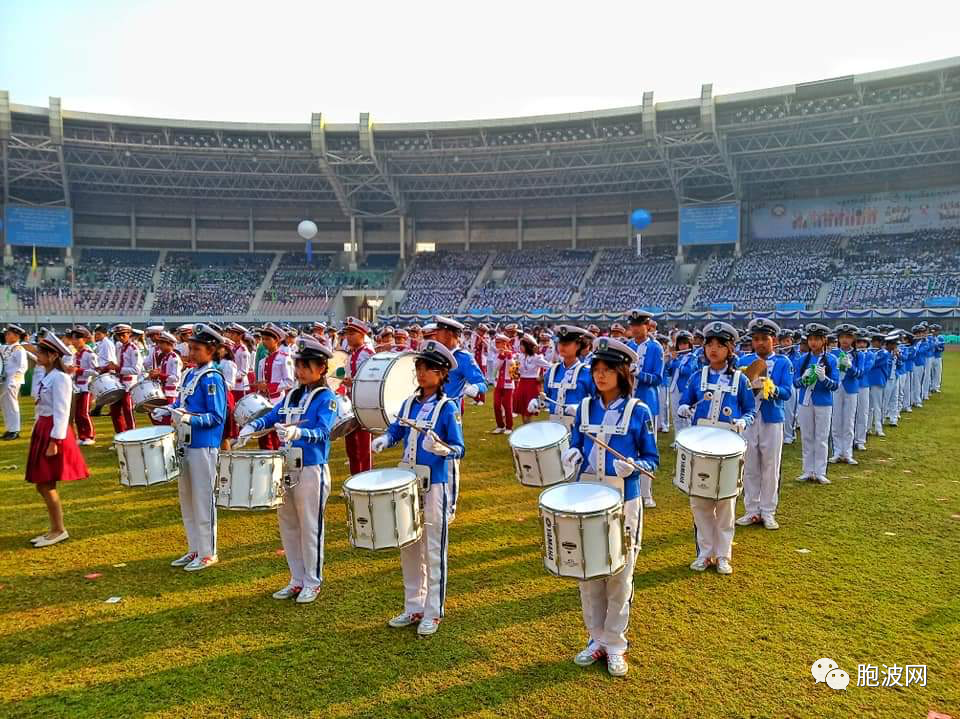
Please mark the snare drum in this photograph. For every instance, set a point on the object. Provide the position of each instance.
(147, 395)
(105, 390)
(147, 456)
(537, 452)
(337, 369)
(250, 480)
(380, 388)
(345, 422)
(252, 407)
(709, 462)
(383, 508)
(583, 530)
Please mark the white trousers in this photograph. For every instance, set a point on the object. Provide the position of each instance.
(843, 421)
(936, 373)
(891, 399)
(9, 403)
(814, 424)
(862, 416)
(678, 422)
(663, 392)
(790, 417)
(606, 602)
(917, 380)
(713, 526)
(301, 525)
(424, 562)
(198, 473)
(904, 390)
(875, 421)
(926, 383)
(761, 468)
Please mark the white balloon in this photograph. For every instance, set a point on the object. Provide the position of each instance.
(307, 229)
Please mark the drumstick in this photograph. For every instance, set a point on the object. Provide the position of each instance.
(413, 425)
(618, 455)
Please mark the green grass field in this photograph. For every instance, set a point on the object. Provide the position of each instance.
(880, 585)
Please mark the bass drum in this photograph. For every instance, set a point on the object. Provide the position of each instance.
(337, 369)
(380, 388)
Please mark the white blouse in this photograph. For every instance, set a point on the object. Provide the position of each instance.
(55, 394)
(530, 366)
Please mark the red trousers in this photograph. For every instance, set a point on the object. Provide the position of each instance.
(359, 451)
(482, 397)
(81, 416)
(168, 420)
(269, 441)
(121, 413)
(503, 407)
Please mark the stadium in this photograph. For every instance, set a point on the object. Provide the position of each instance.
(824, 203)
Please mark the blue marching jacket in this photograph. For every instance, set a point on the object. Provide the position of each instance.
(869, 357)
(908, 353)
(824, 388)
(317, 413)
(681, 370)
(738, 405)
(580, 386)
(635, 440)
(780, 373)
(939, 344)
(205, 397)
(880, 371)
(649, 372)
(851, 377)
(447, 427)
(466, 373)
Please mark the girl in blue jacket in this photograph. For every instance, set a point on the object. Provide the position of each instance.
(434, 447)
(816, 379)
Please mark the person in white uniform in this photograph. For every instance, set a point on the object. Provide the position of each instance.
(11, 379)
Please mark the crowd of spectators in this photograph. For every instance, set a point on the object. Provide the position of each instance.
(441, 279)
(622, 281)
(210, 283)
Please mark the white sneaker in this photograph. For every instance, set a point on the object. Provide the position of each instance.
(308, 594)
(822, 479)
(87, 442)
(589, 655)
(770, 522)
(288, 592)
(507, 431)
(851, 460)
(199, 563)
(788, 441)
(617, 665)
(748, 519)
(649, 503)
(44, 542)
(404, 620)
(184, 560)
(479, 404)
(496, 430)
(723, 566)
(428, 626)
(861, 446)
(881, 433)
(805, 477)
(835, 458)
(699, 565)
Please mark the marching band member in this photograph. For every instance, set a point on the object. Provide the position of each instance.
(151, 356)
(663, 389)
(619, 419)
(908, 353)
(385, 340)
(850, 366)
(303, 420)
(225, 364)
(546, 348)
(242, 357)
(435, 446)
(168, 370)
(682, 365)
(891, 395)
(12, 374)
(199, 414)
(919, 362)
(720, 394)
(789, 350)
(53, 456)
(617, 331)
(85, 367)
(416, 336)
(319, 332)
(877, 381)
(465, 377)
(867, 358)
(357, 443)
(531, 365)
(500, 361)
(817, 378)
(402, 338)
(129, 366)
(481, 350)
(649, 376)
(274, 375)
(936, 368)
(764, 437)
(567, 381)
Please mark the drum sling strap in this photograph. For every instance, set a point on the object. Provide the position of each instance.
(556, 411)
(426, 424)
(293, 456)
(603, 432)
(717, 391)
(183, 430)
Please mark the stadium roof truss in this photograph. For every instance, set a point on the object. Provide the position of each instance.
(798, 139)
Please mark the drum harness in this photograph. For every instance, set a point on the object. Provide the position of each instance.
(602, 432)
(714, 393)
(425, 421)
(183, 429)
(568, 382)
(293, 456)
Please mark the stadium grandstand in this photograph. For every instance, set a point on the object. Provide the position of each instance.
(827, 199)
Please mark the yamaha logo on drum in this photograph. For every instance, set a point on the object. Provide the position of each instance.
(569, 546)
(548, 532)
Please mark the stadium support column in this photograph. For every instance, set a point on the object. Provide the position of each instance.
(250, 231)
(573, 229)
(403, 239)
(133, 229)
(520, 230)
(193, 232)
(353, 243)
(466, 230)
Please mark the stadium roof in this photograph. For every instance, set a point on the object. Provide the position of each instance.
(892, 128)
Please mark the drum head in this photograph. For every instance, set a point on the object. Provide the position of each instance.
(537, 435)
(711, 441)
(144, 434)
(399, 382)
(252, 454)
(337, 369)
(376, 480)
(344, 426)
(580, 498)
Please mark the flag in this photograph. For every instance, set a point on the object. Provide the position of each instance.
(33, 264)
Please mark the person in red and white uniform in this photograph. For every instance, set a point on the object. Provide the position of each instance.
(386, 340)
(129, 365)
(150, 357)
(54, 455)
(499, 360)
(546, 348)
(318, 331)
(288, 342)
(242, 358)
(226, 363)
(84, 369)
(183, 334)
(416, 336)
(481, 350)
(532, 366)
(402, 338)
(274, 375)
(512, 331)
(168, 371)
(356, 333)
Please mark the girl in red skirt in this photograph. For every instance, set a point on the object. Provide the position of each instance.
(54, 455)
(228, 368)
(531, 366)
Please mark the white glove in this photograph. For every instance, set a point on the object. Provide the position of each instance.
(821, 372)
(288, 432)
(180, 415)
(381, 443)
(740, 424)
(160, 412)
(244, 435)
(533, 407)
(684, 411)
(431, 443)
(571, 458)
(570, 410)
(471, 391)
(623, 469)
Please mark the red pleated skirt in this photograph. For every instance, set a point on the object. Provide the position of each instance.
(528, 388)
(66, 465)
(230, 428)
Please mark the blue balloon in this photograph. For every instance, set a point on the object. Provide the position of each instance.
(640, 219)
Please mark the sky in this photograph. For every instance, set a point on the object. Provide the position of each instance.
(416, 61)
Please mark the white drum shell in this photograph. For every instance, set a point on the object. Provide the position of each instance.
(540, 466)
(383, 382)
(147, 456)
(584, 545)
(250, 481)
(251, 407)
(386, 518)
(105, 390)
(709, 473)
(147, 395)
(339, 361)
(345, 421)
